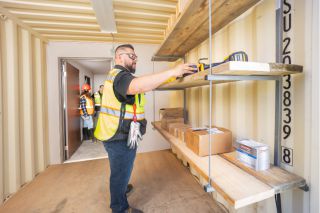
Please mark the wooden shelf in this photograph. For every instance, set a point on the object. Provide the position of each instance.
(238, 185)
(277, 178)
(191, 28)
(234, 68)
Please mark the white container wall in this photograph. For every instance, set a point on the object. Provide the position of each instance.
(247, 108)
(23, 107)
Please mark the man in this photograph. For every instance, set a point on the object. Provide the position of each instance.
(123, 98)
(86, 112)
(97, 96)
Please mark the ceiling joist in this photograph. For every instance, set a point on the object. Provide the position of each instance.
(75, 20)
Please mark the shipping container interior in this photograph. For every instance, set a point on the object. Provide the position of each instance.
(50, 48)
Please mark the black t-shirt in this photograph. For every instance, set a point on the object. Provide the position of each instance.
(120, 87)
(121, 84)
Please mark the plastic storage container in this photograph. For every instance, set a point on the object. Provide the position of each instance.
(253, 154)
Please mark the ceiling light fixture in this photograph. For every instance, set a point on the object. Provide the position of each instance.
(105, 15)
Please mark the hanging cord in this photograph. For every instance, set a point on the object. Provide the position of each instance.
(154, 98)
(210, 102)
(112, 50)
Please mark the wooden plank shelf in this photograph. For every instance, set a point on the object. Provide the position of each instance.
(233, 68)
(277, 178)
(238, 185)
(191, 28)
(235, 185)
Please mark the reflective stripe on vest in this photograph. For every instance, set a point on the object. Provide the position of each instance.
(116, 113)
(109, 118)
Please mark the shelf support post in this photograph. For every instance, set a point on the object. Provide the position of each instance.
(185, 114)
(278, 103)
(278, 122)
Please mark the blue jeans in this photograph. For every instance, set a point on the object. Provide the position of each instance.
(121, 160)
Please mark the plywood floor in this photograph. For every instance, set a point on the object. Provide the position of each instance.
(162, 184)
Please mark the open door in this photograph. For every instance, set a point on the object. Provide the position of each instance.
(72, 116)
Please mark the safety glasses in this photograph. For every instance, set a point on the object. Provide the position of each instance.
(130, 55)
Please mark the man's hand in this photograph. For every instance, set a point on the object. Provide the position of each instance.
(181, 69)
(149, 82)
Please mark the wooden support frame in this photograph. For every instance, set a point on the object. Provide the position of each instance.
(258, 185)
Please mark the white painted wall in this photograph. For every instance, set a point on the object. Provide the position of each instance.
(83, 71)
(98, 80)
(247, 108)
(152, 140)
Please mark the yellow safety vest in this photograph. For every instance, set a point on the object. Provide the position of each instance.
(109, 117)
(89, 105)
(97, 99)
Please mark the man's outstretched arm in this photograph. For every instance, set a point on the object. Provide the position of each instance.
(147, 83)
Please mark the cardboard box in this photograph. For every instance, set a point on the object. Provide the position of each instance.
(174, 128)
(253, 154)
(171, 112)
(166, 121)
(182, 132)
(198, 141)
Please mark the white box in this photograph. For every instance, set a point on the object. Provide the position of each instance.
(253, 154)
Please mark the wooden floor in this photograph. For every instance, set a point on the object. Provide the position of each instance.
(162, 184)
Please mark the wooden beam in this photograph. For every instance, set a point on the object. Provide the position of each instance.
(160, 5)
(19, 22)
(139, 29)
(50, 15)
(233, 68)
(69, 25)
(101, 35)
(277, 178)
(140, 13)
(141, 22)
(122, 40)
(121, 30)
(191, 28)
(48, 5)
(98, 34)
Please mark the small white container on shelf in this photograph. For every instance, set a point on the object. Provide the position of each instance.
(253, 154)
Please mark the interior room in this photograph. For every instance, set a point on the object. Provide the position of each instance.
(206, 106)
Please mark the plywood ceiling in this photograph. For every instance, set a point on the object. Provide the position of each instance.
(138, 21)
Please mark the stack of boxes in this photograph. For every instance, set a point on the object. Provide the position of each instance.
(249, 152)
(171, 116)
(172, 121)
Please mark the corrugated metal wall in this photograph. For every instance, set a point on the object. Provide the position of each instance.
(23, 107)
(247, 108)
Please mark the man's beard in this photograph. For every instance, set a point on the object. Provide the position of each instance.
(130, 68)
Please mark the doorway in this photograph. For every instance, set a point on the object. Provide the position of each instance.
(74, 73)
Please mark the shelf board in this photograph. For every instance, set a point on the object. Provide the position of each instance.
(236, 186)
(277, 178)
(233, 68)
(191, 28)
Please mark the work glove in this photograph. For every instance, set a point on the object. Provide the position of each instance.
(135, 136)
